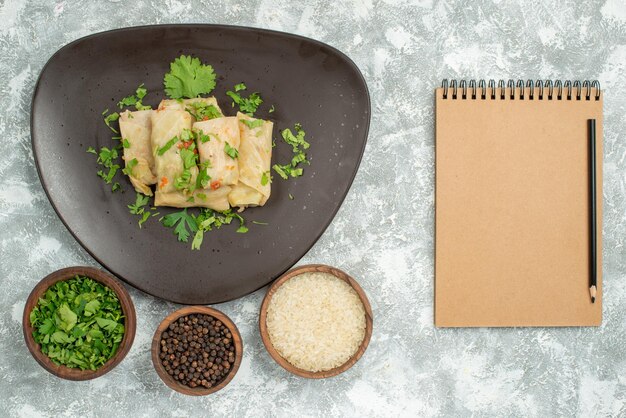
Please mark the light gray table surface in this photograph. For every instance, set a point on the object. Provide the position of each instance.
(383, 234)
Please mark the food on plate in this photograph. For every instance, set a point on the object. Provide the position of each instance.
(188, 153)
(171, 134)
(201, 108)
(135, 129)
(78, 323)
(212, 199)
(316, 321)
(255, 159)
(218, 147)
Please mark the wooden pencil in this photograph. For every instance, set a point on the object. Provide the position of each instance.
(593, 256)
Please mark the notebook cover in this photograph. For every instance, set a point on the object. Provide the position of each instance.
(512, 212)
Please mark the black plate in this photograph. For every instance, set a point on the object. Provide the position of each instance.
(307, 82)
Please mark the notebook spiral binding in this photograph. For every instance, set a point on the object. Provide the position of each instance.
(482, 90)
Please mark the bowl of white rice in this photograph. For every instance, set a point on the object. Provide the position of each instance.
(316, 321)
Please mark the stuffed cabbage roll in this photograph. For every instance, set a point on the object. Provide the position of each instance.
(173, 150)
(255, 158)
(136, 128)
(201, 108)
(218, 146)
(213, 199)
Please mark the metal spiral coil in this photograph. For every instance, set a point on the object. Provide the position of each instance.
(520, 90)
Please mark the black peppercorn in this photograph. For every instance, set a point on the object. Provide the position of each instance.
(197, 351)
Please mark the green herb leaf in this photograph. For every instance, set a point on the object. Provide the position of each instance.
(189, 158)
(201, 137)
(129, 167)
(247, 105)
(203, 179)
(265, 178)
(210, 219)
(111, 118)
(298, 144)
(251, 124)
(78, 323)
(189, 78)
(231, 151)
(125, 143)
(167, 146)
(91, 150)
(183, 181)
(281, 172)
(272, 109)
(140, 201)
(92, 307)
(203, 111)
(181, 221)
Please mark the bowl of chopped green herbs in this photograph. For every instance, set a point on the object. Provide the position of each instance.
(79, 323)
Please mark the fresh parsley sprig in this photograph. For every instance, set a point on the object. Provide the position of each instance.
(188, 78)
(180, 221)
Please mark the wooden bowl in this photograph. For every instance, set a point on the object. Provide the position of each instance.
(156, 344)
(130, 323)
(268, 343)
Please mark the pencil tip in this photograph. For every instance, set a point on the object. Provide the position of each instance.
(593, 299)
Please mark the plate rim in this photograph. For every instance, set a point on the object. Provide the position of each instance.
(108, 268)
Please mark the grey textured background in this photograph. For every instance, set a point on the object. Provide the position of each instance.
(383, 234)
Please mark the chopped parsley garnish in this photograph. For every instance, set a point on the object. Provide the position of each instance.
(210, 219)
(200, 136)
(188, 78)
(138, 208)
(260, 223)
(231, 151)
(202, 181)
(247, 105)
(129, 167)
(108, 158)
(251, 124)
(183, 223)
(135, 99)
(111, 118)
(167, 146)
(298, 144)
(125, 143)
(203, 111)
(189, 157)
(266, 178)
(116, 186)
(296, 141)
(272, 109)
(290, 196)
(183, 181)
(78, 323)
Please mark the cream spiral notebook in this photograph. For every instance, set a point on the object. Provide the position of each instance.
(512, 200)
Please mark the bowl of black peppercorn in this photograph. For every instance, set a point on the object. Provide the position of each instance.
(197, 350)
